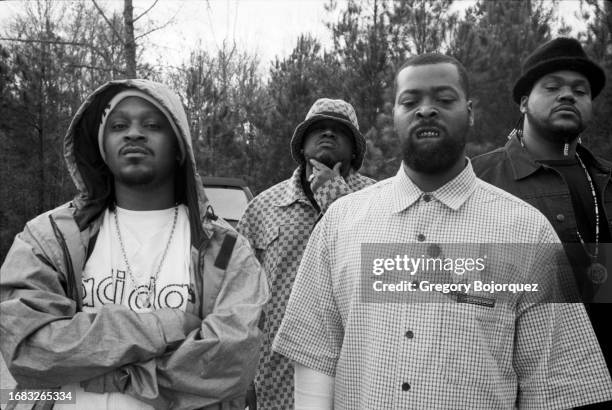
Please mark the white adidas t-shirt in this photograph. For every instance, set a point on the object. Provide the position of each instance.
(106, 279)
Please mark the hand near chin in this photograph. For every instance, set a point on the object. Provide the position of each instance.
(322, 173)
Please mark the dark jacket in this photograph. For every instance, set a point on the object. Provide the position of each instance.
(513, 169)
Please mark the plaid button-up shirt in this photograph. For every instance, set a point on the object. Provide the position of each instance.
(278, 223)
(435, 355)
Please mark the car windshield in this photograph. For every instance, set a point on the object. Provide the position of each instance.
(228, 203)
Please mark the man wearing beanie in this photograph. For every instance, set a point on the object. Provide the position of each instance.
(545, 164)
(131, 296)
(329, 150)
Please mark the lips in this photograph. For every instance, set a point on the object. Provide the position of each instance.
(427, 132)
(566, 108)
(134, 150)
(327, 143)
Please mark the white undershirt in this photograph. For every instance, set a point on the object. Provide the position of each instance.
(106, 279)
(313, 390)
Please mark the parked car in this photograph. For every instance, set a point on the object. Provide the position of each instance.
(228, 197)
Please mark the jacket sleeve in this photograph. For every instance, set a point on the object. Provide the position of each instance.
(335, 188)
(329, 191)
(217, 362)
(46, 342)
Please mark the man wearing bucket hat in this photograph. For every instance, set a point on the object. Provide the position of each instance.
(329, 150)
(545, 164)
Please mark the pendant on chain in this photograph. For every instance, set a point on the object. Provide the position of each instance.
(143, 300)
(597, 273)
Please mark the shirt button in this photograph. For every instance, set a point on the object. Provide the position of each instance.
(420, 237)
(426, 197)
(410, 334)
(433, 250)
(560, 217)
(405, 386)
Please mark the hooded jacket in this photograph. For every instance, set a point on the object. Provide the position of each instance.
(168, 358)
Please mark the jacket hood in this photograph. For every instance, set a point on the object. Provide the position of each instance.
(94, 180)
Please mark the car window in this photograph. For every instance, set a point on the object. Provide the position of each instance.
(228, 203)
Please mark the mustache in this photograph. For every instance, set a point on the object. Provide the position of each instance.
(567, 107)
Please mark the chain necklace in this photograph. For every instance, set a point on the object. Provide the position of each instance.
(596, 271)
(144, 299)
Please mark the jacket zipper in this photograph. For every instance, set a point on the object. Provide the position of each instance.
(70, 277)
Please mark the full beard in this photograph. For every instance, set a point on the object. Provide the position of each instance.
(433, 158)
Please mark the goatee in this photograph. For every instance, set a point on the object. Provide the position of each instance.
(324, 158)
(139, 178)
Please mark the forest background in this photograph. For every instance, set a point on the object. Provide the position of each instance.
(243, 110)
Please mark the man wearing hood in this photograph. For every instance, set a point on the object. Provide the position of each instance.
(329, 149)
(131, 296)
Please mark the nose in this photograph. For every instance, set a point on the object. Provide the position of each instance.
(328, 133)
(134, 133)
(427, 111)
(567, 94)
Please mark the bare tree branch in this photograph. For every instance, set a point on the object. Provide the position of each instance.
(111, 25)
(60, 42)
(146, 11)
(66, 43)
(153, 30)
(112, 69)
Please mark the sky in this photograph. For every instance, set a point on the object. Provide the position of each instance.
(268, 28)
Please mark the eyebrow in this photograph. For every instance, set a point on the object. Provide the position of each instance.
(437, 89)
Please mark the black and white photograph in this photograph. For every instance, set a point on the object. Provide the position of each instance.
(305, 204)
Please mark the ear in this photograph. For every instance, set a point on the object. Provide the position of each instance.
(470, 113)
(523, 104)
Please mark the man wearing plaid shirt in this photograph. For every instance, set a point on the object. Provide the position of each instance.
(468, 352)
(329, 149)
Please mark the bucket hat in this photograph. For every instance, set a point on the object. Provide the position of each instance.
(329, 109)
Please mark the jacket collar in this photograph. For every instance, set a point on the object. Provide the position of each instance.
(523, 164)
(292, 190)
(453, 194)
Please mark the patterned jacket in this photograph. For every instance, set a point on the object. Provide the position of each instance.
(278, 223)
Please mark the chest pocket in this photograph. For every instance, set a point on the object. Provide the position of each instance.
(556, 205)
(476, 341)
(281, 247)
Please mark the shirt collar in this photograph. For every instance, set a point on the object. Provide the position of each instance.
(453, 194)
(293, 191)
(521, 161)
(523, 164)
